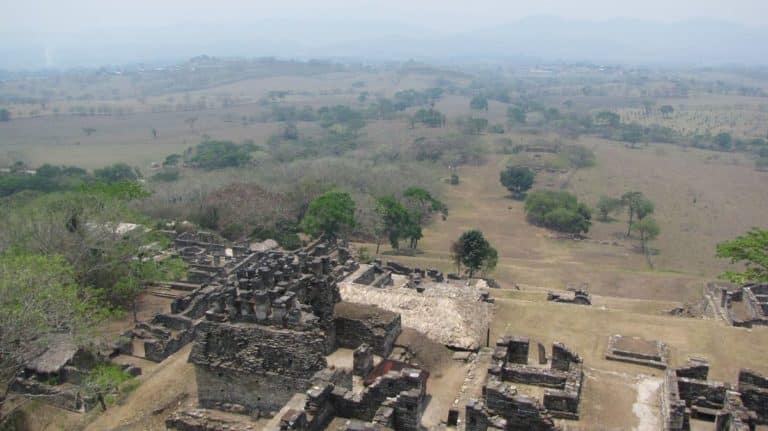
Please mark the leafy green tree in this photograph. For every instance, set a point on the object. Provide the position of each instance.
(643, 208)
(39, 299)
(429, 117)
(341, 119)
(172, 160)
(421, 204)
(517, 179)
(90, 228)
(649, 230)
(472, 126)
(395, 220)
(474, 252)
(290, 131)
(632, 133)
(115, 173)
(724, 141)
(566, 220)
(221, 154)
(558, 210)
(46, 179)
(606, 205)
(631, 200)
(479, 103)
(666, 110)
(140, 271)
(329, 215)
(608, 118)
(515, 115)
(579, 156)
(5, 115)
(638, 206)
(749, 250)
(167, 176)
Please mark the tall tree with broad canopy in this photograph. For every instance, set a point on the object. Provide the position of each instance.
(474, 252)
(517, 179)
(395, 221)
(330, 215)
(749, 250)
(421, 204)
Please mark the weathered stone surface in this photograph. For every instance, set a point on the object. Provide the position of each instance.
(754, 393)
(207, 420)
(358, 324)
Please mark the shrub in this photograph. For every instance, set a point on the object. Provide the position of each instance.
(221, 154)
(559, 211)
(579, 156)
(116, 172)
(166, 176)
(517, 179)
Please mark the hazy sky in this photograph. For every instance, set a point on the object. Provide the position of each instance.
(63, 33)
(60, 16)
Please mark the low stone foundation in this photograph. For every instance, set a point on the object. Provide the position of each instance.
(635, 350)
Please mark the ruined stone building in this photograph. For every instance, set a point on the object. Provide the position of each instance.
(506, 405)
(56, 373)
(688, 394)
(263, 324)
(740, 306)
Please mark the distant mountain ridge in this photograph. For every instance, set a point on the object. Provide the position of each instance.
(700, 42)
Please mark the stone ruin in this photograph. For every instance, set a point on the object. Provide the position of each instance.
(577, 296)
(505, 406)
(55, 375)
(687, 394)
(636, 350)
(743, 306)
(453, 312)
(392, 397)
(262, 323)
(380, 275)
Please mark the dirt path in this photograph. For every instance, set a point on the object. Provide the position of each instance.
(646, 408)
(170, 385)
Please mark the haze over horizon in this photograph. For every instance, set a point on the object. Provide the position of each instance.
(44, 33)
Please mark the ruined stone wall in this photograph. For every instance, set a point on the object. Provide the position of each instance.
(533, 376)
(363, 405)
(754, 393)
(516, 348)
(520, 412)
(476, 416)
(358, 324)
(701, 392)
(67, 396)
(673, 414)
(407, 410)
(263, 393)
(564, 403)
(253, 349)
(158, 349)
(563, 357)
(736, 417)
(695, 370)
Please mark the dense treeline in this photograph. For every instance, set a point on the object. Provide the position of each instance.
(49, 178)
